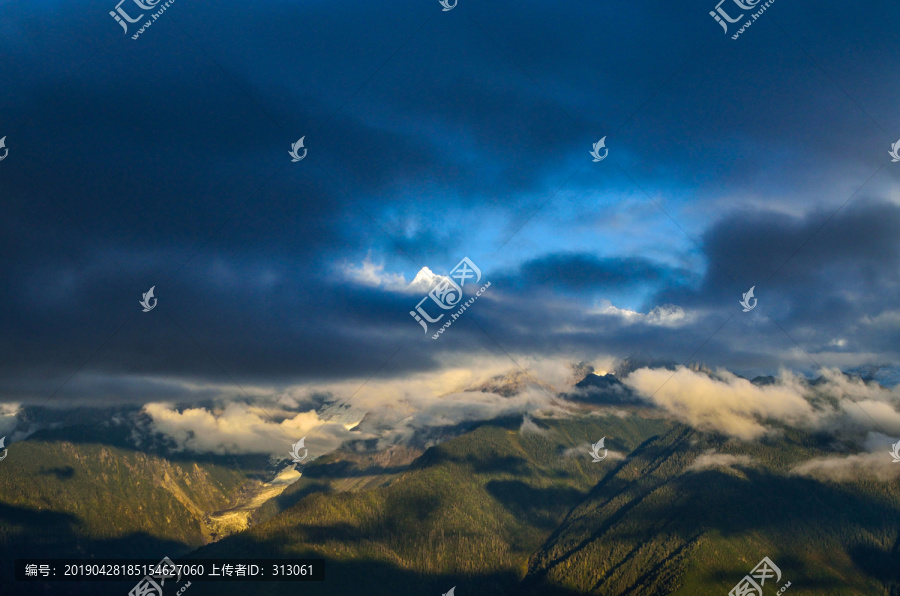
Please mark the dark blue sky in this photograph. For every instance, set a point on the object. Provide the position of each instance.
(433, 136)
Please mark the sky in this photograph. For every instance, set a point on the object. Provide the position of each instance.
(432, 136)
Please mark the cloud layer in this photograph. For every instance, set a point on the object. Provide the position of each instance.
(724, 403)
(273, 274)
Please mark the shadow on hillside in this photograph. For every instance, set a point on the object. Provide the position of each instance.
(35, 533)
(28, 533)
(61, 473)
(508, 464)
(289, 497)
(348, 469)
(543, 507)
(878, 563)
(672, 508)
(368, 578)
(793, 570)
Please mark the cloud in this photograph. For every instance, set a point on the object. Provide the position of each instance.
(287, 321)
(850, 468)
(242, 428)
(374, 276)
(410, 172)
(877, 464)
(391, 411)
(719, 460)
(668, 315)
(726, 403)
(9, 417)
(528, 426)
(584, 271)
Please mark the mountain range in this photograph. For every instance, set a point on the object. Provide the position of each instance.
(509, 506)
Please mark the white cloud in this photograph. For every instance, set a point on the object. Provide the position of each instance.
(724, 403)
(398, 410)
(528, 426)
(395, 410)
(374, 276)
(667, 315)
(727, 404)
(719, 460)
(849, 468)
(8, 418)
(242, 428)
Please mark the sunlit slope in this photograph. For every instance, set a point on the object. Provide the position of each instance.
(59, 498)
(469, 512)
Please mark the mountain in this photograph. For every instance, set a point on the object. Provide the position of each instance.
(885, 375)
(513, 509)
(604, 389)
(661, 524)
(512, 506)
(468, 512)
(509, 384)
(60, 498)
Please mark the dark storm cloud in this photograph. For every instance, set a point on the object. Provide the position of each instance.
(827, 253)
(588, 273)
(164, 162)
(828, 274)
